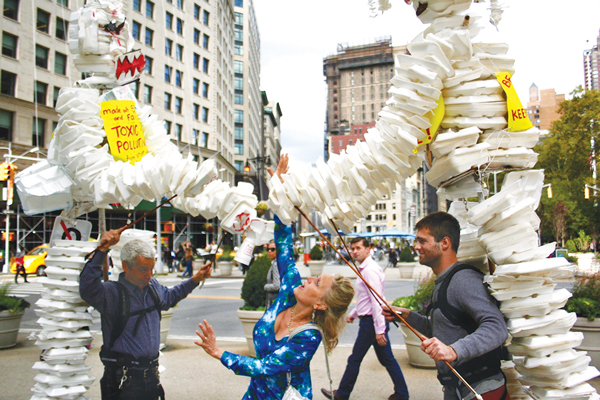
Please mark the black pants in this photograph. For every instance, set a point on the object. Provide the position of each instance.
(138, 384)
(20, 271)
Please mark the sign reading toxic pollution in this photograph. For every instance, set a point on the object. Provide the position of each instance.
(123, 130)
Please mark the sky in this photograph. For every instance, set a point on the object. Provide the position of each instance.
(546, 37)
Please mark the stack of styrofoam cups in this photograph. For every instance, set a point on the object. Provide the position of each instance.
(65, 324)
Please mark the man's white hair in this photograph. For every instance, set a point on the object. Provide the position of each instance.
(134, 248)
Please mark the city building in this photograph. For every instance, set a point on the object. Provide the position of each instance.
(542, 107)
(591, 67)
(358, 79)
(190, 80)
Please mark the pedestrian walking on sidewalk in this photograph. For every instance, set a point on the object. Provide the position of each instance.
(130, 310)
(289, 333)
(467, 327)
(372, 330)
(20, 267)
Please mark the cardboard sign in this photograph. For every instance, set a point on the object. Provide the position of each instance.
(435, 117)
(123, 130)
(518, 120)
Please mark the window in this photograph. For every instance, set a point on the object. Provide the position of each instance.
(239, 3)
(179, 26)
(136, 27)
(239, 165)
(205, 115)
(168, 72)
(196, 61)
(205, 39)
(64, 3)
(41, 56)
(149, 37)
(149, 9)
(204, 139)
(168, 98)
(60, 63)
(179, 52)
(180, 4)
(238, 83)
(205, 90)
(239, 116)
(196, 36)
(43, 21)
(238, 50)
(196, 11)
(178, 130)
(11, 9)
(9, 45)
(169, 20)
(239, 98)
(168, 127)
(205, 65)
(136, 89)
(137, 5)
(195, 136)
(178, 78)
(196, 86)
(205, 17)
(39, 131)
(196, 111)
(62, 29)
(6, 125)
(8, 84)
(149, 65)
(238, 67)
(55, 97)
(238, 148)
(168, 47)
(178, 104)
(238, 35)
(147, 94)
(239, 19)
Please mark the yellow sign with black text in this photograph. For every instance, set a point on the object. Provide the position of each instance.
(123, 130)
(518, 120)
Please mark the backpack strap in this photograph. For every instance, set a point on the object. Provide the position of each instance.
(124, 312)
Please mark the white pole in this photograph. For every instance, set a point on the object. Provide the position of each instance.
(159, 267)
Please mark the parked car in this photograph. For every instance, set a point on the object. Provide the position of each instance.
(34, 261)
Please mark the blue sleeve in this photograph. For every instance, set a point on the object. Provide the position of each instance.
(288, 273)
(294, 354)
(171, 296)
(98, 294)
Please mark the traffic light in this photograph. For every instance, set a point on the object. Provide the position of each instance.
(4, 171)
(587, 193)
(549, 192)
(12, 170)
(247, 167)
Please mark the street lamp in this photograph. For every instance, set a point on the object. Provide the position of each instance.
(260, 163)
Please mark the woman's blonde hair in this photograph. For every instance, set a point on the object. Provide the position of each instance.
(331, 320)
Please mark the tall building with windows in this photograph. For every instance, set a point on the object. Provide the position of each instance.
(591, 67)
(542, 107)
(358, 79)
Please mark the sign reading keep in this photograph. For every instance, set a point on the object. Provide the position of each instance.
(123, 130)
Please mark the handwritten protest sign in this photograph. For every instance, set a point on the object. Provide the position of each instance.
(123, 130)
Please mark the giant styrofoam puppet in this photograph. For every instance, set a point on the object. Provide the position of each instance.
(453, 105)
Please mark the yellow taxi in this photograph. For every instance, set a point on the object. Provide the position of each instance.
(34, 261)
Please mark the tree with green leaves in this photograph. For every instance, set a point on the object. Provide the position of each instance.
(567, 156)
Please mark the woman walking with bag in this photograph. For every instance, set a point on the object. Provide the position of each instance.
(290, 331)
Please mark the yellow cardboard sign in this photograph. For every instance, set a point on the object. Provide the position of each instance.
(518, 120)
(123, 130)
(435, 117)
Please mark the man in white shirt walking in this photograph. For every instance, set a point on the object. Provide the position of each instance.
(372, 329)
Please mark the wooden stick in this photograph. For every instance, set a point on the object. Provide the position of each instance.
(419, 335)
(120, 230)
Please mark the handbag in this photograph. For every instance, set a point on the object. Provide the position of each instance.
(291, 393)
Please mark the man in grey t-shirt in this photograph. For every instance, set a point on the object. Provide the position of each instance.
(466, 327)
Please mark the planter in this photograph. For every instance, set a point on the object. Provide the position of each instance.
(591, 338)
(249, 319)
(9, 328)
(165, 325)
(225, 267)
(316, 267)
(416, 357)
(406, 269)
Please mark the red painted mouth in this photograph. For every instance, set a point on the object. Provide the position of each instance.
(130, 65)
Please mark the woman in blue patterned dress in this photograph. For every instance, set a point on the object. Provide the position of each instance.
(322, 301)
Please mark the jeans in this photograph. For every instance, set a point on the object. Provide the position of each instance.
(138, 385)
(365, 339)
(188, 268)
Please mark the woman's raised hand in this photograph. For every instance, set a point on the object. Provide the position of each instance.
(208, 340)
(282, 167)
